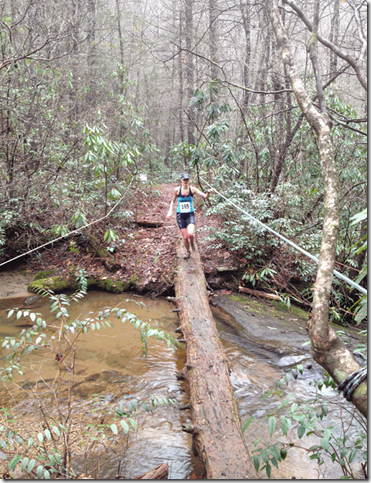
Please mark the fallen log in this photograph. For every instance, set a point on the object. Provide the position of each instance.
(161, 472)
(216, 426)
(226, 269)
(149, 224)
(257, 293)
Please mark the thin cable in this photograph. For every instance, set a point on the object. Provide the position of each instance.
(68, 234)
(338, 274)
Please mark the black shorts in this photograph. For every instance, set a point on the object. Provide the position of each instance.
(185, 219)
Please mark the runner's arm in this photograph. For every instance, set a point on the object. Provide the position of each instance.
(170, 212)
(202, 195)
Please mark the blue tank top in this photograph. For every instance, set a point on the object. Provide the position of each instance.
(185, 203)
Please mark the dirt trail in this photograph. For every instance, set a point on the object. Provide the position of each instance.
(145, 255)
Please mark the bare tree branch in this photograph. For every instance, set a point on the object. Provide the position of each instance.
(355, 63)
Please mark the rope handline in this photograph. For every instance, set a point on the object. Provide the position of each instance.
(68, 234)
(338, 274)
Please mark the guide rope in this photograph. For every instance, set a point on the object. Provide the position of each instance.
(70, 233)
(315, 259)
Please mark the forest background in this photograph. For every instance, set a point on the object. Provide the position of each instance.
(94, 93)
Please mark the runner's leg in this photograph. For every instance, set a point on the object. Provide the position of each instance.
(191, 235)
(182, 223)
(184, 233)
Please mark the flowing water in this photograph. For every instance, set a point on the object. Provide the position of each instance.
(110, 363)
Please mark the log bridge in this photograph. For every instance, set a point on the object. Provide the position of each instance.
(216, 427)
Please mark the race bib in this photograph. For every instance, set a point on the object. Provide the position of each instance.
(185, 207)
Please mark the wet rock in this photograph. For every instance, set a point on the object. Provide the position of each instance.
(27, 385)
(290, 360)
(31, 300)
(92, 377)
(86, 389)
(114, 377)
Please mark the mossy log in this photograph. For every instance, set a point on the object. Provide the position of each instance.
(60, 284)
(216, 426)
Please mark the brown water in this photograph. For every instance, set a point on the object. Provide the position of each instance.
(110, 363)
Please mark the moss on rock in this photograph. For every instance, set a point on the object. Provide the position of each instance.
(111, 285)
(57, 284)
(44, 274)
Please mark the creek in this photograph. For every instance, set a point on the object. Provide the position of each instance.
(263, 341)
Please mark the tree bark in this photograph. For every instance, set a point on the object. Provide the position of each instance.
(327, 348)
(216, 427)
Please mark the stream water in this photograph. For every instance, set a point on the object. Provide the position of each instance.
(262, 343)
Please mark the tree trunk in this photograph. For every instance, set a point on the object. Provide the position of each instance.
(246, 67)
(334, 37)
(91, 57)
(213, 47)
(121, 41)
(216, 428)
(189, 69)
(181, 94)
(327, 348)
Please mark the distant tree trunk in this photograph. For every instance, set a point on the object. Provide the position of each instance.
(121, 41)
(258, 54)
(267, 137)
(91, 50)
(246, 67)
(334, 36)
(279, 108)
(180, 80)
(327, 348)
(189, 68)
(181, 88)
(74, 93)
(213, 38)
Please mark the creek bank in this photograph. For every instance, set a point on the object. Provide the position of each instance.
(270, 329)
